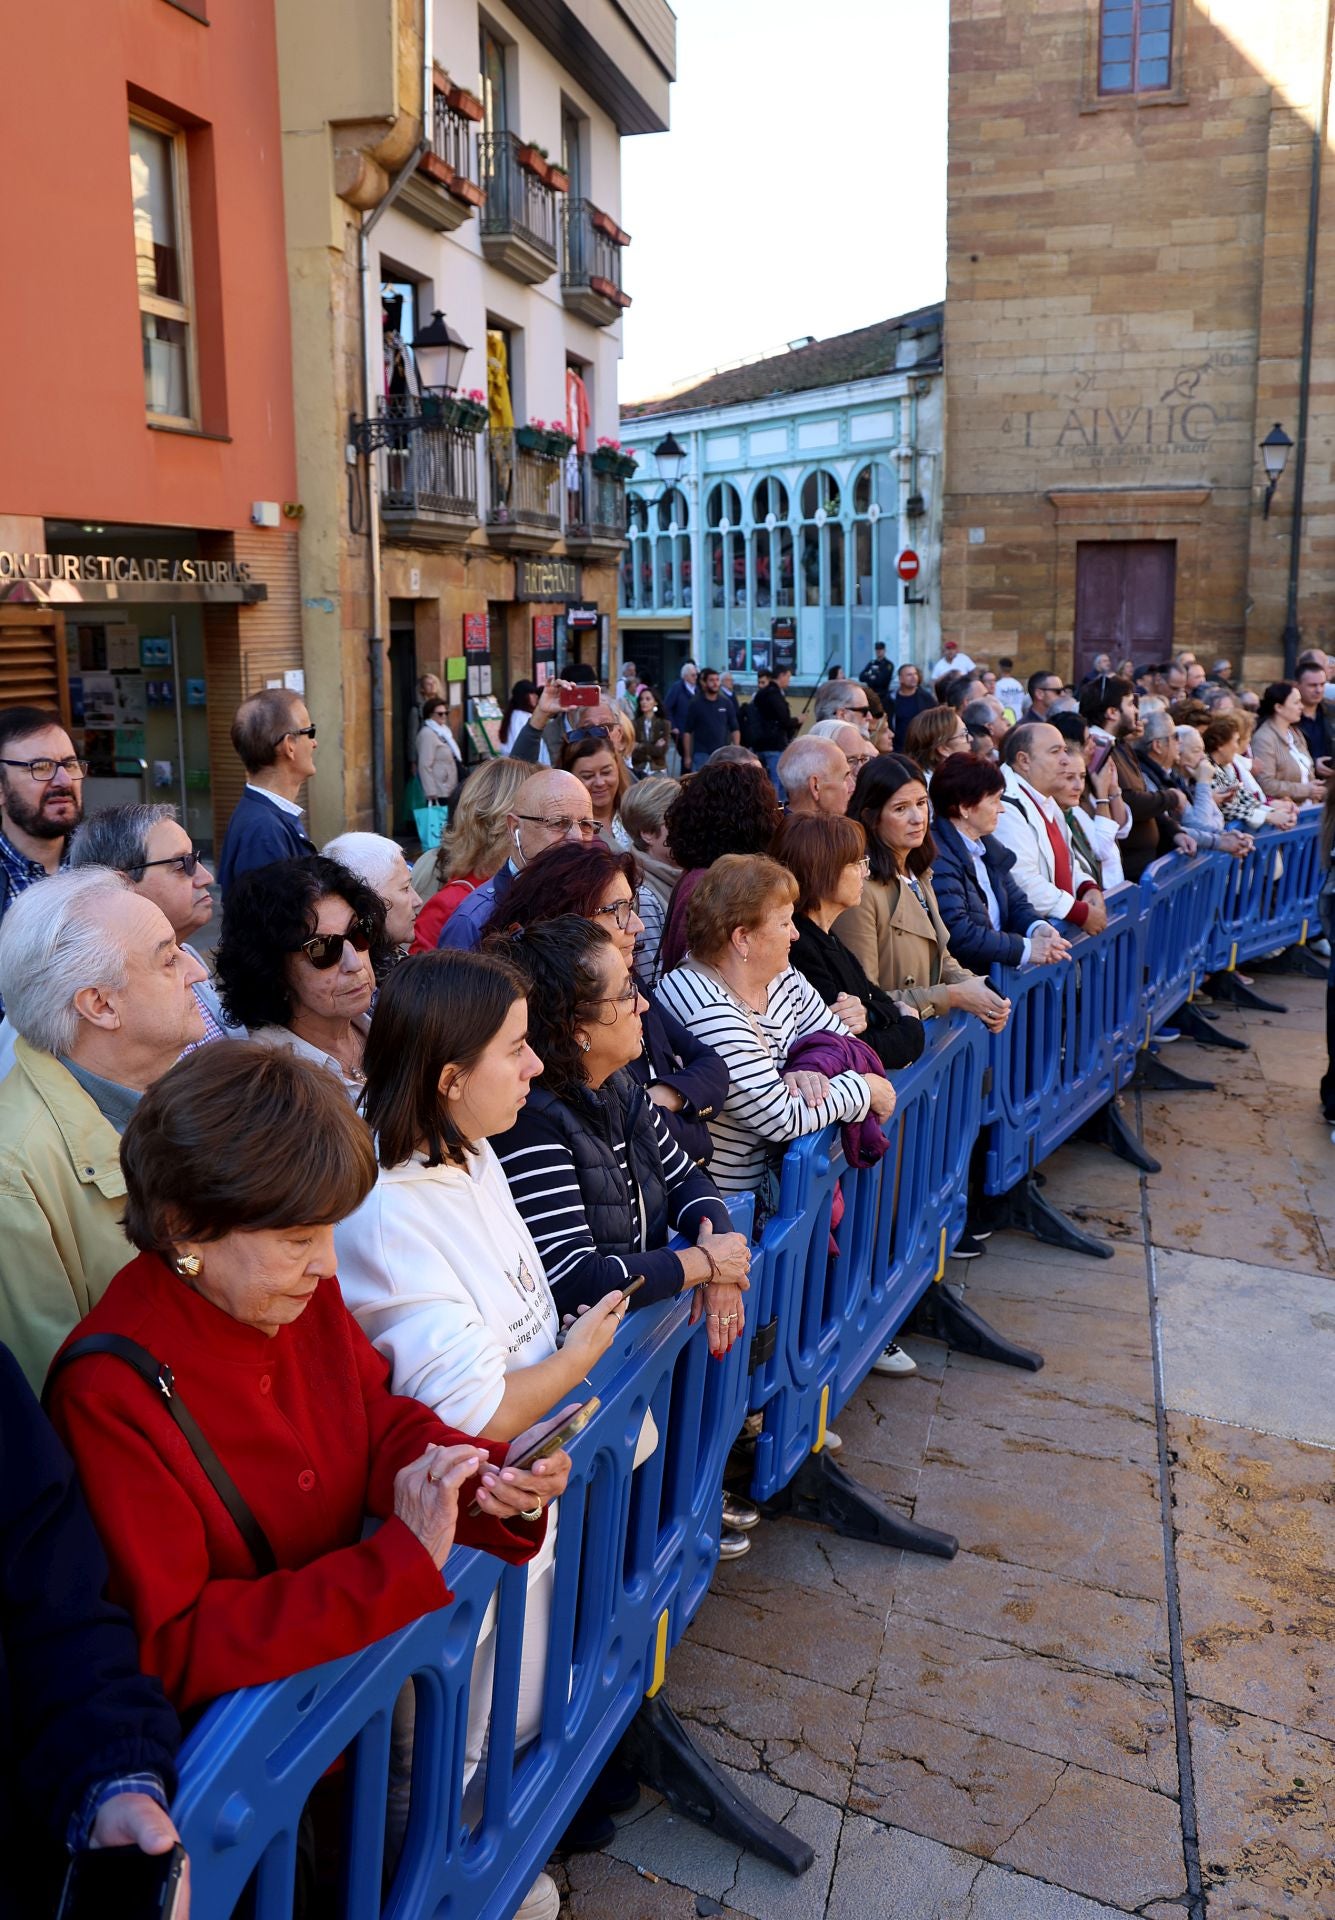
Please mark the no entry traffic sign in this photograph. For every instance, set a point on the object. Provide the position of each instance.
(908, 564)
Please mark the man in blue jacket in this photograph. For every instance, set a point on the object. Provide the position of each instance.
(87, 1741)
(274, 737)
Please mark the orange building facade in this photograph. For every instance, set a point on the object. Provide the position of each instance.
(148, 514)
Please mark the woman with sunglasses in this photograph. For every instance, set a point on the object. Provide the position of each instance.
(685, 1080)
(594, 755)
(296, 961)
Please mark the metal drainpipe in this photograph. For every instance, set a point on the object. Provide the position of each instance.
(374, 640)
(1292, 636)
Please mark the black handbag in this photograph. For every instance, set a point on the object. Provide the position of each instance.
(158, 1375)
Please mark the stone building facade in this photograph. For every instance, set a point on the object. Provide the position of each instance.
(1130, 189)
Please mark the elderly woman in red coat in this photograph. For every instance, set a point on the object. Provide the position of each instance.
(237, 1165)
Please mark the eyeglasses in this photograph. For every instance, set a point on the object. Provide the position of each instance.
(187, 862)
(629, 994)
(588, 733)
(863, 866)
(43, 770)
(857, 709)
(622, 911)
(562, 824)
(296, 733)
(325, 950)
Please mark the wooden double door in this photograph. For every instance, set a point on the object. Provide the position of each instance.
(1124, 593)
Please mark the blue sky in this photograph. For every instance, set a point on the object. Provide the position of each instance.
(801, 189)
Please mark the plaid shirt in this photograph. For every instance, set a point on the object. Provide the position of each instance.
(18, 873)
(80, 1829)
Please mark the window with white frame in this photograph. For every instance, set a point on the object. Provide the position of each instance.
(725, 555)
(821, 555)
(656, 565)
(771, 545)
(162, 264)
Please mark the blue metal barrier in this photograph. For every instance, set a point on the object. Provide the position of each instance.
(1268, 899)
(828, 1311)
(1179, 900)
(634, 1555)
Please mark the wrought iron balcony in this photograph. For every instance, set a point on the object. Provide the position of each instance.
(591, 271)
(595, 508)
(524, 508)
(519, 216)
(427, 477)
(444, 192)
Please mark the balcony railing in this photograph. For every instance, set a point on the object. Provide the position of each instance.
(450, 141)
(519, 216)
(595, 506)
(444, 191)
(591, 270)
(427, 476)
(524, 509)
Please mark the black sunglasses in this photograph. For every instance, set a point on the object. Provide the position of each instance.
(325, 950)
(296, 733)
(588, 733)
(187, 862)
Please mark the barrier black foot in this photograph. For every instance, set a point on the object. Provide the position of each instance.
(821, 1490)
(660, 1752)
(1153, 1075)
(1194, 1024)
(1227, 986)
(1303, 960)
(1026, 1210)
(1107, 1127)
(944, 1314)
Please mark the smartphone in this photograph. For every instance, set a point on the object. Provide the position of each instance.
(632, 1286)
(124, 1882)
(1098, 760)
(581, 696)
(546, 1437)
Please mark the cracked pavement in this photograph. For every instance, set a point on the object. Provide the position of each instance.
(1144, 1581)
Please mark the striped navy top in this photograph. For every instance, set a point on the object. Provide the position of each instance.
(760, 1113)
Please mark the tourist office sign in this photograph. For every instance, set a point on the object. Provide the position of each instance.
(88, 577)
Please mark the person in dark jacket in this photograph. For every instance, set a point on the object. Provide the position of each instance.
(911, 697)
(826, 855)
(773, 724)
(990, 920)
(89, 1741)
(686, 1081)
(274, 737)
(878, 672)
(594, 1171)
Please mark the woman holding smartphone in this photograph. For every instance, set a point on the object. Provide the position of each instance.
(443, 1276)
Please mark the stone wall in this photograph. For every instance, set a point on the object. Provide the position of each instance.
(1123, 318)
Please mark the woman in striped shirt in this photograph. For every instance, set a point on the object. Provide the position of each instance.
(737, 991)
(595, 1174)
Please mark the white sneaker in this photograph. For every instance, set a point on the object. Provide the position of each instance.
(895, 1361)
(541, 1902)
(833, 1444)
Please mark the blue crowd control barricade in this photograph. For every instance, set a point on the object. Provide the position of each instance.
(1024, 1067)
(796, 1328)
(1123, 977)
(634, 1551)
(1268, 899)
(898, 1229)
(1179, 900)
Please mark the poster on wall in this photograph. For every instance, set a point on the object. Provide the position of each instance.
(760, 656)
(737, 656)
(155, 650)
(783, 633)
(544, 647)
(99, 700)
(122, 647)
(477, 635)
(131, 700)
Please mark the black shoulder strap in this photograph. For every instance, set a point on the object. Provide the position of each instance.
(158, 1375)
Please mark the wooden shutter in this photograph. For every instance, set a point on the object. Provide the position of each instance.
(32, 659)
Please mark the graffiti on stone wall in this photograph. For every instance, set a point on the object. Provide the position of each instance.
(1176, 424)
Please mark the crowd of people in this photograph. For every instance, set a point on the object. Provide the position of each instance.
(302, 1230)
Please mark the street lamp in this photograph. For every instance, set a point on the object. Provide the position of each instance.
(1275, 450)
(670, 459)
(440, 354)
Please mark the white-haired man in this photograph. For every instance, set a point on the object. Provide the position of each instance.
(816, 776)
(380, 863)
(99, 993)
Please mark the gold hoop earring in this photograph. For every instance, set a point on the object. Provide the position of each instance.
(190, 1265)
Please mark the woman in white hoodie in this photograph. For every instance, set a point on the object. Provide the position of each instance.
(442, 1274)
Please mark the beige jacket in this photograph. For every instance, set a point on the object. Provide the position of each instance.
(1278, 771)
(62, 1196)
(437, 765)
(904, 949)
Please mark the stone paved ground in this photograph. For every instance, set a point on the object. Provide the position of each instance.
(1000, 1737)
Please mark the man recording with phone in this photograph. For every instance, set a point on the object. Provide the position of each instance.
(88, 1760)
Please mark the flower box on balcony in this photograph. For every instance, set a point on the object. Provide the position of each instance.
(559, 442)
(604, 223)
(612, 462)
(467, 190)
(470, 416)
(558, 179)
(438, 170)
(608, 290)
(532, 161)
(464, 102)
(531, 439)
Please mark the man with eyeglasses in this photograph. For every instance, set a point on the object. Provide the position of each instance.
(152, 850)
(551, 807)
(274, 737)
(41, 798)
(845, 700)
